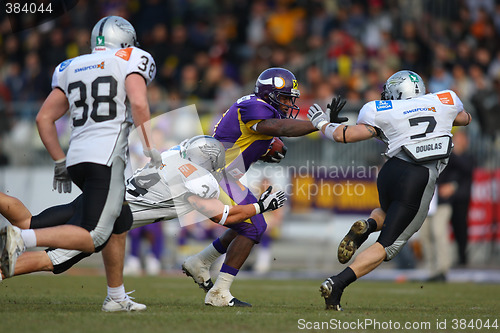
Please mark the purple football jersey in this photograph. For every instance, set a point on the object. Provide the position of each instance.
(244, 146)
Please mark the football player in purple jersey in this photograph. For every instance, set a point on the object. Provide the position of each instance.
(246, 130)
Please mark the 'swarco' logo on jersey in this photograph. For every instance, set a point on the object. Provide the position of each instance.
(187, 169)
(431, 109)
(86, 68)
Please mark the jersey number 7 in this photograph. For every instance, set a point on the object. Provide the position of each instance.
(430, 127)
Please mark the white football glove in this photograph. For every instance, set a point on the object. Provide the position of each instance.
(62, 180)
(271, 201)
(317, 117)
(155, 157)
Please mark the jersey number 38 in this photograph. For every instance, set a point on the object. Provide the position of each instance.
(97, 100)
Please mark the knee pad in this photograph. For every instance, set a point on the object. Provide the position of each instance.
(393, 249)
(124, 221)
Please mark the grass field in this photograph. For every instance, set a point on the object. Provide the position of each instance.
(47, 303)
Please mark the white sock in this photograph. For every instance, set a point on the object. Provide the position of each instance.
(224, 281)
(29, 238)
(117, 294)
(208, 255)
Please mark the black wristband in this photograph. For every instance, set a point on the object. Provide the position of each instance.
(343, 132)
(261, 206)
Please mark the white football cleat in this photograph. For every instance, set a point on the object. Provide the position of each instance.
(12, 246)
(127, 304)
(200, 272)
(221, 298)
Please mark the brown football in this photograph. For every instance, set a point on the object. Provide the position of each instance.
(276, 147)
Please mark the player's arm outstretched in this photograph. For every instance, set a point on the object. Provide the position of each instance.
(330, 124)
(222, 214)
(285, 127)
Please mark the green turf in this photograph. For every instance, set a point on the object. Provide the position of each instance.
(47, 303)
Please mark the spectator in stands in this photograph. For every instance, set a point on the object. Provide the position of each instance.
(460, 167)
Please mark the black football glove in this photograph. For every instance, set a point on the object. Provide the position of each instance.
(277, 156)
(271, 201)
(335, 107)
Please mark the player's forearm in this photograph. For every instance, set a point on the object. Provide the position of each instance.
(295, 128)
(333, 131)
(142, 123)
(463, 119)
(240, 213)
(137, 95)
(346, 133)
(53, 108)
(285, 127)
(215, 209)
(48, 135)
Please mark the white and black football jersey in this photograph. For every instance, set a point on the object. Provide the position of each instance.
(161, 194)
(95, 87)
(406, 122)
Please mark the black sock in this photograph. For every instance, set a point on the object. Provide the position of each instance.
(345, 278)
(372, 225)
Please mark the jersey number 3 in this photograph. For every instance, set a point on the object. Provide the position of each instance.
(97, 100)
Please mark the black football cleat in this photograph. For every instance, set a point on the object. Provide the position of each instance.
(237, 303)
(332, 294)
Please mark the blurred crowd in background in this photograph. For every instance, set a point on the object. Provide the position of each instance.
(209, 52)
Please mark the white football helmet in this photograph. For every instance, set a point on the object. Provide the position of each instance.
(403, 85)
(113, 32)
(206, 151)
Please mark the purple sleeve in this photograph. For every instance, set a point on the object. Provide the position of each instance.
(256, 110)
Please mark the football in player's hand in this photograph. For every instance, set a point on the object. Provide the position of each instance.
(276, 152)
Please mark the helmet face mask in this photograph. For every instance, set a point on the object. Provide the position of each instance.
(403, 85)
(113, 32)
(275, 85)
(207, 152)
